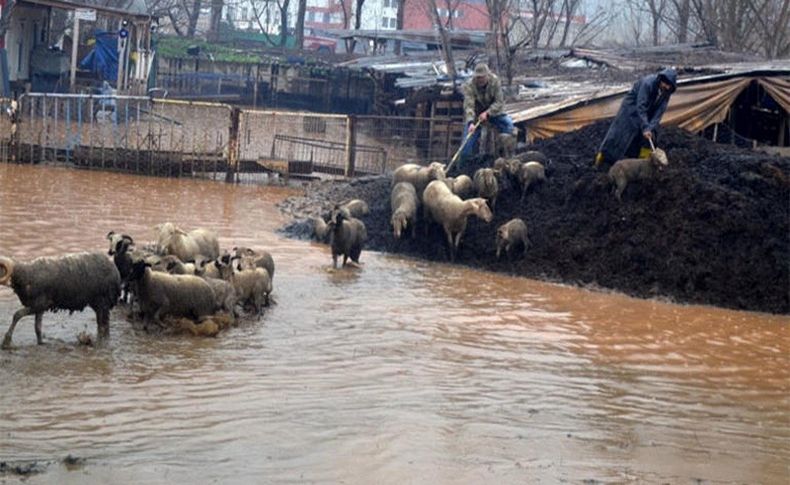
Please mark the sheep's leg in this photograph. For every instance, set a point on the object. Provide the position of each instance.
(103, 323)
(619, 192)
(345, 259)
(334, 261)
(39, 333)
(450, 244)
(21, 313)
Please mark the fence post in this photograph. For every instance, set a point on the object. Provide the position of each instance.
(233, 145)
(351, 141)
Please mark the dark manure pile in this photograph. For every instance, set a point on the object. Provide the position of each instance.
(712, 228)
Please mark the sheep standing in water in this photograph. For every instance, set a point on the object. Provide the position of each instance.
(69, 282)
(510, 235)
(630, 169)
(186, 246)
(255, 258)
(347, 236)
(449, 211)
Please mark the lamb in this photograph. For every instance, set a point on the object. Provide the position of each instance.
(528, 174)
(251, 258)
(355, 208)
(69, 282)
(487, 185)
(462, 186)
(251, 285)
(404, 204)
(347, 236)
(447, 209)
(509, 235)
(419, 176)
(186, 246)
(630, 169)
(163, 294)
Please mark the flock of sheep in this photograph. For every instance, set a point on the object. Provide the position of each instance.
(450, 201)
(182, 279)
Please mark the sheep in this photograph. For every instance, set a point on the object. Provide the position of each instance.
(251, 258)
(251, 285)
(186, 246)
(404, 204)
(462, 185)
(207, 268)
(347, 236)
(506, 144)
(448, 210)
(163, 294)
(487, 185)
(123, 259)
(355, 208)
(630, 169)
(418, 176)
(532, 156)
(511, 234)
(69, 282)
(319, 228)
(172, 265)
(224, 295)
(528, 174)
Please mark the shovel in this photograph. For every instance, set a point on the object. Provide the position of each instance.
(458, 153)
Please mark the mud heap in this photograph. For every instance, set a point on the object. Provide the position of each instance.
(713, 228)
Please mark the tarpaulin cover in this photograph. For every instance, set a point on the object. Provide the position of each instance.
(693, 106)
(103, 58)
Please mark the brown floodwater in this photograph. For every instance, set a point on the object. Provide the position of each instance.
(401, 372)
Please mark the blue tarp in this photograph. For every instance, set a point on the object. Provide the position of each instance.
(103, 58)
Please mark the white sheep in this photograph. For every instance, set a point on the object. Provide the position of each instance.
(462, 186)
(69, 282)
(529, 174)
(355, 208)
(419, 176)
(255, 258)
(451, 212)
(252, 286)
(186, 246)
(511, 234)
(487, 185)
(403, 203)
(630, 169)
(163, 294)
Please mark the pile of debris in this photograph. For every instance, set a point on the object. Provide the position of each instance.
(712, 228)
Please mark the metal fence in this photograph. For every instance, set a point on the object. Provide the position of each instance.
(182, 138)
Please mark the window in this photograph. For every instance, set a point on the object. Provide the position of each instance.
(385, 22)
(393, 23)
(311, 16)
(244, 13)
(326, 17)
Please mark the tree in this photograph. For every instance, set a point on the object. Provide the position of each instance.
(262, 15)
(300, 24)
(399, 24)
(442, 25)
(216, 17)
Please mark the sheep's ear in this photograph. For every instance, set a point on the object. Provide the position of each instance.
(110, 235)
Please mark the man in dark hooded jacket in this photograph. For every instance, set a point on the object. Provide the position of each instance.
(638, 118)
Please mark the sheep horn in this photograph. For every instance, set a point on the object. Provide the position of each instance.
(6, 270)
(128, 238)
(110, 235)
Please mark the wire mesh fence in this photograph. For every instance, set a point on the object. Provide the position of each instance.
(180, 138)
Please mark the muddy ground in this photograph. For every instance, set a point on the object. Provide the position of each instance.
(713, 228)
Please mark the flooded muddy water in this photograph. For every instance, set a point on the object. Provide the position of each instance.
(401, 372)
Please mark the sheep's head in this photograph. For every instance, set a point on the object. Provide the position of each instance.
(122, 245)
(437, 171)
(6, 270)
(500, 240)
(481, 209)
(659, 158)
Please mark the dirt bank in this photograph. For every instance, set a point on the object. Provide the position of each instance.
(713, 228)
